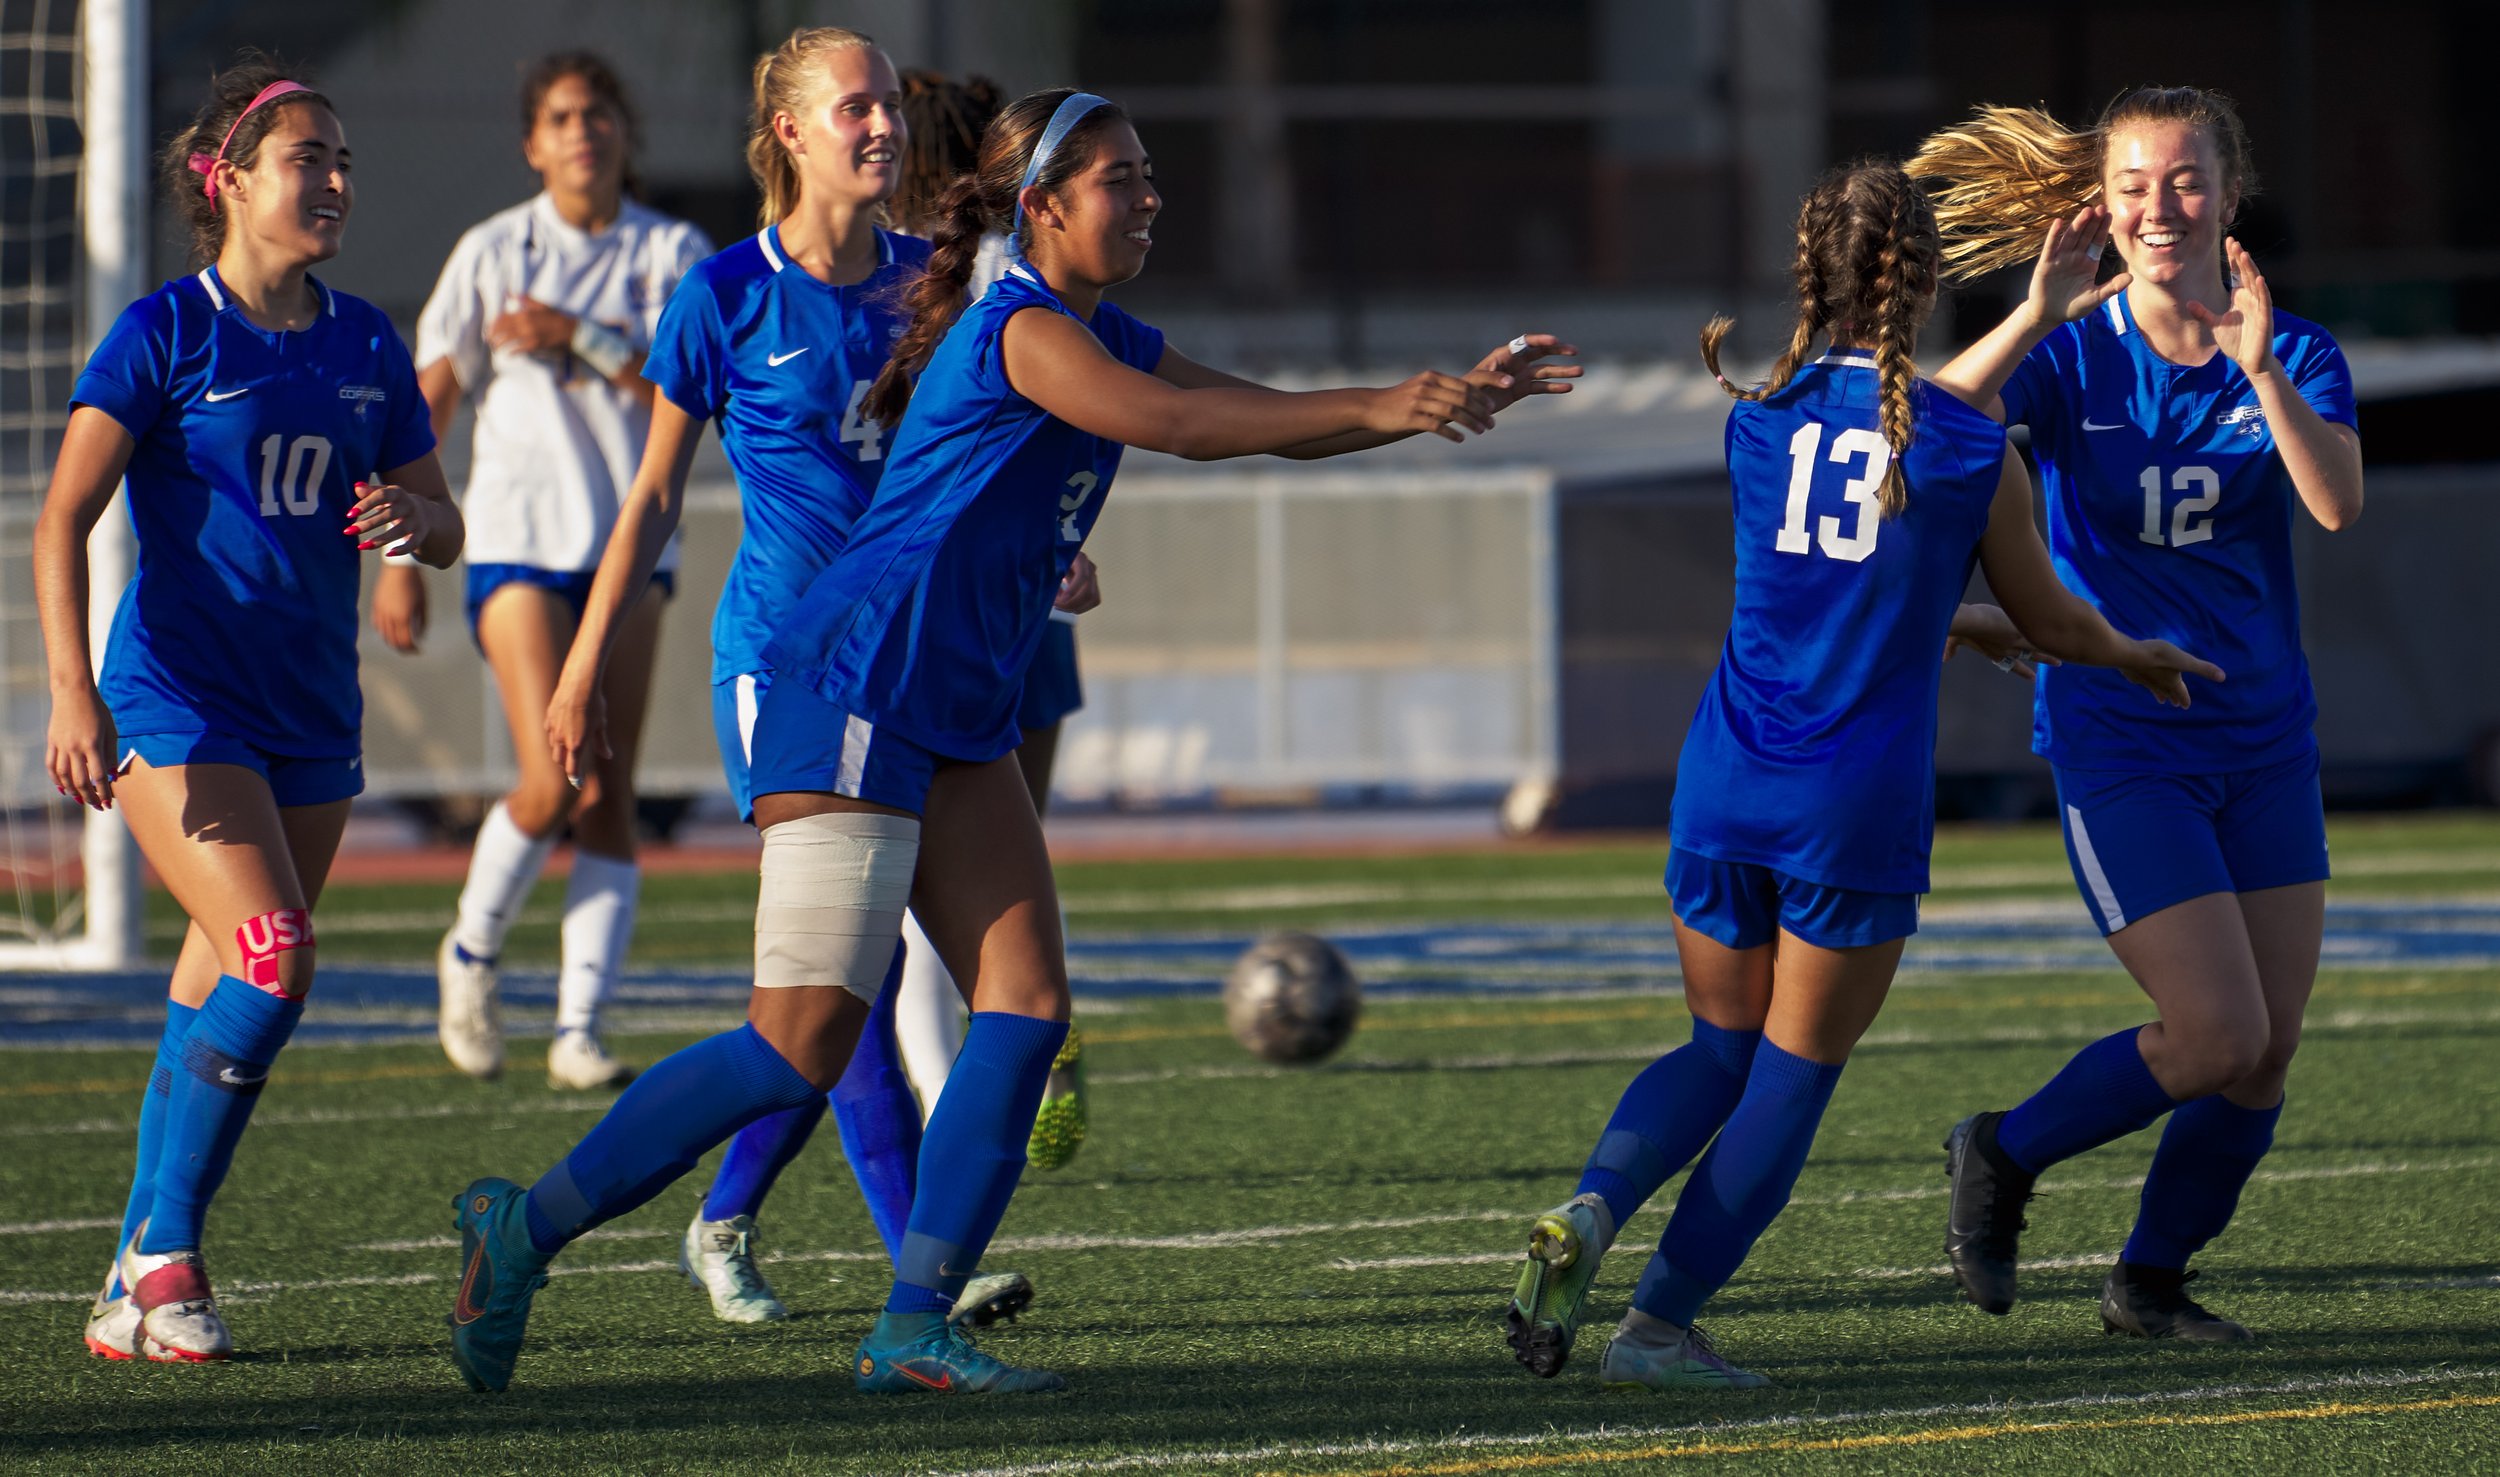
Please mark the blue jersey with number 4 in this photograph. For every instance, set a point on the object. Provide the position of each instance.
(782, 361)
(1813, 752)
(242, 618)
(926, 623)
(2171, 511)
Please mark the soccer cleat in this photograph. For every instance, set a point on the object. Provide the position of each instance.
(925, 1354)
(1984, 1217)
(470, 1022)
(993, 1297)
(2152, 1303)
(1059, 1128)
(113, 1323)
(1690, 1363)
(178, 1321)
(500, 1271)
(1544, 1315)
(577, 1061)
(719, 1257)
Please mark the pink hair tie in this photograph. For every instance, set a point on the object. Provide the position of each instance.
(206, 164)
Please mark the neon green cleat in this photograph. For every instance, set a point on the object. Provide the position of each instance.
(924, 1354)
(1563, 1251)
(1689, 1363)
(1059, 1128)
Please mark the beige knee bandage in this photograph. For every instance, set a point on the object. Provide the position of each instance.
(831, 905)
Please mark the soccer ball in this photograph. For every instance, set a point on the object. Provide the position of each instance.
(1292, 997)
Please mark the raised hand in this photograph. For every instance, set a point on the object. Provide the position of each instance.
(1992, 633)
(2246, 332)
(1511, 373)
(2062, 286)
(389, 517)
(2162, 670)
(1439, 403)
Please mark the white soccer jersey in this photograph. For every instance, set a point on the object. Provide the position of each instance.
(555, 445)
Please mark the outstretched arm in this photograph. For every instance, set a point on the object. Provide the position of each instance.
(2057, 622)
(1055, 362)
(2061, 291)
(1507, 375)
(2323, 456)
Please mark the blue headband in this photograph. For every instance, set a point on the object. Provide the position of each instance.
(1063, 119)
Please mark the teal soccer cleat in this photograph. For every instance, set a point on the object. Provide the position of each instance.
(923, 1354)
(499, 1272)
(1563, 1250)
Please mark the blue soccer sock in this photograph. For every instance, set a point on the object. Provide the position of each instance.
(153, 1106)
(2105, 1093)
(1741, 1185)
(2208, 1150)
(973, 1155)
(880, 1119)
(757, 1155)
(226, 1057)
(686, 1103)
(1666, 1116)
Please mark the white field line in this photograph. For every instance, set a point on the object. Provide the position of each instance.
(310, 1117)
(45, 1228)
(2042, 1264)
(1283, 1452)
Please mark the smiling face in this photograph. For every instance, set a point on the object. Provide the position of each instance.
(847, 140)
(294, 199)
(1100, 224)
(2168, 201)
(577, 140)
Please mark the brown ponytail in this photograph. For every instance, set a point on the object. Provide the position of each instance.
(973, 206)
(230, 92)
(1868, 256)
(785, 78)
(947, 120)
(2003, 175)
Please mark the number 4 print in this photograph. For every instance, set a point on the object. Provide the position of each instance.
(292, 474)
(2185, 527)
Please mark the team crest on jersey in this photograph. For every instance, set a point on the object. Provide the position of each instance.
(372, 393)
(2251, 419)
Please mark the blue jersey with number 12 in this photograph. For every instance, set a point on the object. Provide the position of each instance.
(782, 361)
(1814, 749)
(242, 618)
(2171, 511)
(926, 623)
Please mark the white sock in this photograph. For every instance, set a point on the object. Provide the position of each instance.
(502, 870)
(928, 1018)
(598, 924)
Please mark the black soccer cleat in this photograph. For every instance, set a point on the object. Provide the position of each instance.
(1984, 1218)
(2152, 1303)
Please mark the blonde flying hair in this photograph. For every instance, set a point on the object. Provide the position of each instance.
(1867, 261)
(785, 78)
(2002, 176)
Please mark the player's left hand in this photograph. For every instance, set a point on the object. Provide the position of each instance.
(1080, 589)
(531, 327)
(1992, 633)
(2246, 332)
(1511, 373)
(389, 517)
(2163, 669)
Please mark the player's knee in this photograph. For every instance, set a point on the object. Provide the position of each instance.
(814, 1029)
(276, 950)
(540, 803)
(2223, 1053)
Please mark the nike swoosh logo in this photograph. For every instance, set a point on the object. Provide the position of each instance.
(942, 1384)
(778, 360)
(228, 1076)
(2090, 425)
(212, 397)
(464, 1308)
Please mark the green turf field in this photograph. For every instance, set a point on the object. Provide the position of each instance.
(1252, 1270)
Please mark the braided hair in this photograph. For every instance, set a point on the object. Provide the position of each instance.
(1868, 259)
(2002, 175)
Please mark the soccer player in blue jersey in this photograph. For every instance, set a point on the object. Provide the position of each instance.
(269, 428)
(2179, 421)
(882, 763)
(1804, 803)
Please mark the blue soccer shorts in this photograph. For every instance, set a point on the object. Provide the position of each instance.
(292, 780)
(2140, 843)
(798, 741)
(1745, 906)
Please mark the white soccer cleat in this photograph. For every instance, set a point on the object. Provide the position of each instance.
(471, 1020)
(178, 1321)
(579, 1062)
(719, 1257)
(990, 1298)
(113, 1323)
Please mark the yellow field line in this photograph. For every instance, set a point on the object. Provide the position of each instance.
(125, 1084)
(1948, 1435)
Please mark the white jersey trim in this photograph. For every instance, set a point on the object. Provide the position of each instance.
(1851, 358)
(208, 284)
(764, 238)
(857, 734)
(744, 695)
(2117, 315)
(2113, 918)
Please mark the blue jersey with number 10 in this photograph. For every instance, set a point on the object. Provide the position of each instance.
(2171, 511)
(927, 621)
(1814, 749)
(242, 618)
(782, 361)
